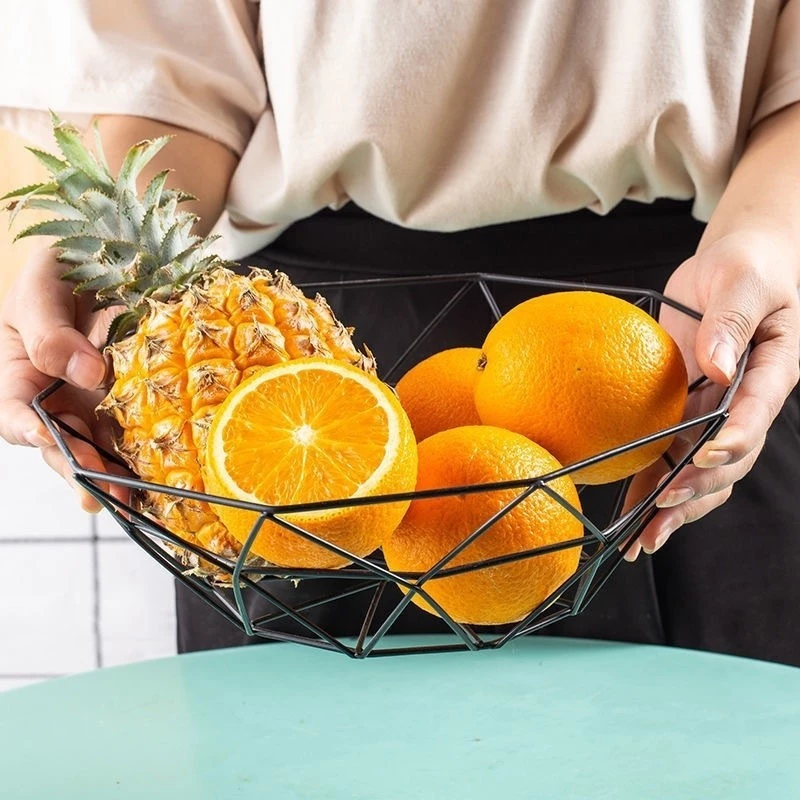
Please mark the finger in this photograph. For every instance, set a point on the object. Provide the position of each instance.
(688, 484)
(666, 522)
(633, 552)
(642, 485)
(89, 457)
(693, 493)
(737, 302)
(44, 315)
(117, 491)
(692, 482)
(85, 455)
(55, 460)
(19, 384)
(647, 479)
(772, 372)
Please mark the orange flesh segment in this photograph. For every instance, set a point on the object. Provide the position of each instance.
(296, 440)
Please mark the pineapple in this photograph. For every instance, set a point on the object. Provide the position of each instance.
(190, 329)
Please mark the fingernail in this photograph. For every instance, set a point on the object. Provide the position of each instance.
(36, 438)
(665, 533)
(674, 497)
(723, 358)
(88, 503)
(713, 458)
(633, 552)
(85, 371)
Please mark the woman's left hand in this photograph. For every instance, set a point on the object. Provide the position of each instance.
(745, 286)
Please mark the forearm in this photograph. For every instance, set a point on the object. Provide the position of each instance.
(763, 193)
(200, 166)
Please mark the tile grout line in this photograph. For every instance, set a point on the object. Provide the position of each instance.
(51, 540)
(37, 676)
(95, 538)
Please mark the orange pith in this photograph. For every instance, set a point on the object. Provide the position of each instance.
(317, 455)
(312, 430)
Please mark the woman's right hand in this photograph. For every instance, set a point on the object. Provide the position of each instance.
(48, 332)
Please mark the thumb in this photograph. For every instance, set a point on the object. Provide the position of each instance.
(733, 312)
(44, 315)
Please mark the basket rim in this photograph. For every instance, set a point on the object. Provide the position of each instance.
(602, 550)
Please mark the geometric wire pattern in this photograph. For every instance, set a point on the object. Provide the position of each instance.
(602, 545)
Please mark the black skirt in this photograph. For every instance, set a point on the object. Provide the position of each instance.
(726, 583)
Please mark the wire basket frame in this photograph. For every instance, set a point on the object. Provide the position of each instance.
(602, 545)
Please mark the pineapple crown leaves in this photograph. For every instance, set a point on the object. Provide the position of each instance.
(123, 247)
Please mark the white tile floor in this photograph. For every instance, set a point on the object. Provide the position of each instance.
(75, 594)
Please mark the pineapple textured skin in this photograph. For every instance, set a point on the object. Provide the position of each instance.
(183, 360)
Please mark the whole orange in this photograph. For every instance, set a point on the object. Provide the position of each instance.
(432, 527)
(580, 373)
(439, 392)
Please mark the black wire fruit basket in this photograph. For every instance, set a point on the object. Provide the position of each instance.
(257, 597)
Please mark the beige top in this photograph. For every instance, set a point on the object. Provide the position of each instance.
(433, 114)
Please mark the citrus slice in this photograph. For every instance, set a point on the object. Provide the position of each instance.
(307, 431)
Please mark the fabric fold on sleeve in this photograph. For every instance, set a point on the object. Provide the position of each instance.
(147, 58)
(781, 84)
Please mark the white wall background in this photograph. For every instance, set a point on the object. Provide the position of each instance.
(75, 593)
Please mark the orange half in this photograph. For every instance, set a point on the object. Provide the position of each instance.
(306, 431)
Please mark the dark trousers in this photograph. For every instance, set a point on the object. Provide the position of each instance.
(727, 583)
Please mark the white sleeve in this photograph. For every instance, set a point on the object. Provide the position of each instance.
(781, 84)
(191, 63)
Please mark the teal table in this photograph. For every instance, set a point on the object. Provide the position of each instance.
(541, 718)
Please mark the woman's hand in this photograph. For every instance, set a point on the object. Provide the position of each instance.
(47, 332)
(745, 285)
